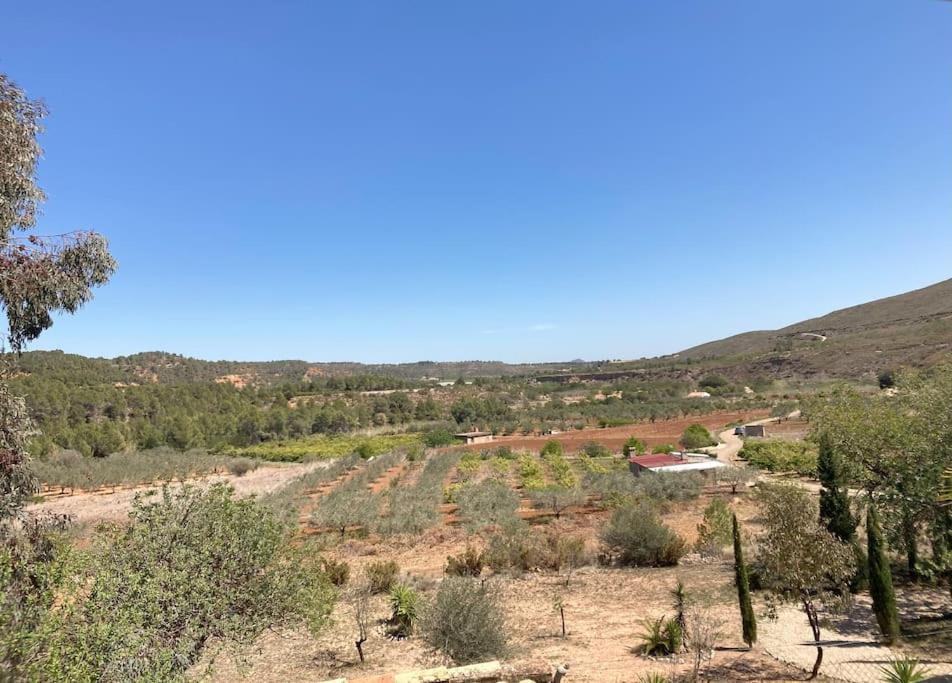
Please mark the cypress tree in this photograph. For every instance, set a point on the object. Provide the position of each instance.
(748, 620)
(834, 500)
(880, 579)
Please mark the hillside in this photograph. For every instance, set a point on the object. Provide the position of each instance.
(914, 329)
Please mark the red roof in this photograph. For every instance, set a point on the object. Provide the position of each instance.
(655, 460)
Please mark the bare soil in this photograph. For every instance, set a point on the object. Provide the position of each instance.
(93, 506)
(652, 433)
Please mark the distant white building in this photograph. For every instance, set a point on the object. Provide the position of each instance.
(699, 394)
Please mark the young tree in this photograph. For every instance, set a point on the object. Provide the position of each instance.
(714, 531)
(360, 602)
(735, 477)
(802, 560)
(703, 631)
(697, 436)
(747, 618)
(347, 506)
(557, 498)
(834, 499)
(880, 578)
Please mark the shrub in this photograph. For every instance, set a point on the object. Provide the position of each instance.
(411, 511)
(697, 436)
(516, 548)
(439, 436)
(716, 529)
(661, 637)
(664, 448)
(336, 572)
(451, 493)
(241, 466)
(487, 503)
(530, 472)
(465, 621)
(633, 446)
(552, 447)
(194, 566)
(404, 609)
(636, 536)
(381, 575)
(905, 670)
(781, 456)
(468, 563)
(593, 449)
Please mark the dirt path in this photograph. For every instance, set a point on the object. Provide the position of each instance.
(851, 651)
(105, 505)
(731, 444)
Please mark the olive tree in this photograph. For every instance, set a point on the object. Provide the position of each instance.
(802, 561)
(557, 499)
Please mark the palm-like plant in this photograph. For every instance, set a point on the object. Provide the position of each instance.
(905, 670)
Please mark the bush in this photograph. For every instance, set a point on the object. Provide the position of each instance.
(661, 637)
(466, 622)
(716, 529)
(381, 575)
(530, 472)
(552, 447)
(637, 537)
(781, 456)
(194, 566)
(337, 573)
(516, 548)
(468, 563)
(593, 449)
(439, 436)
(633, 446)
(487, 503)
(404, 609)
(664, 448)
(697, 436)
(241, 466)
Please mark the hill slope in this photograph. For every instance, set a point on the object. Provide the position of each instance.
(914, 328)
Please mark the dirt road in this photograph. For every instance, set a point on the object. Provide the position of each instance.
(95, 506)
(731, 444)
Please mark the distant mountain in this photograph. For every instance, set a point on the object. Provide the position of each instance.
(911, 329)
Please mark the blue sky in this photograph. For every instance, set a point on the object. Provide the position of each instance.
(537, 180)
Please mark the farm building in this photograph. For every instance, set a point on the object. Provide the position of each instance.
(474, 437)
(753, 430)
(673, 463)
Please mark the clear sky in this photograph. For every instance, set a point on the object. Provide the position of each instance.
(532, 180)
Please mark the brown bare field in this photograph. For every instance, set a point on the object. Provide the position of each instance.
(652, 433)
(793, 430)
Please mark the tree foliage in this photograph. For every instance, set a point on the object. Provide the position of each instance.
(192, 567)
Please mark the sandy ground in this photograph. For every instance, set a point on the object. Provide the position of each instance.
(88, 507)
(851, 650)
(604, 612)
